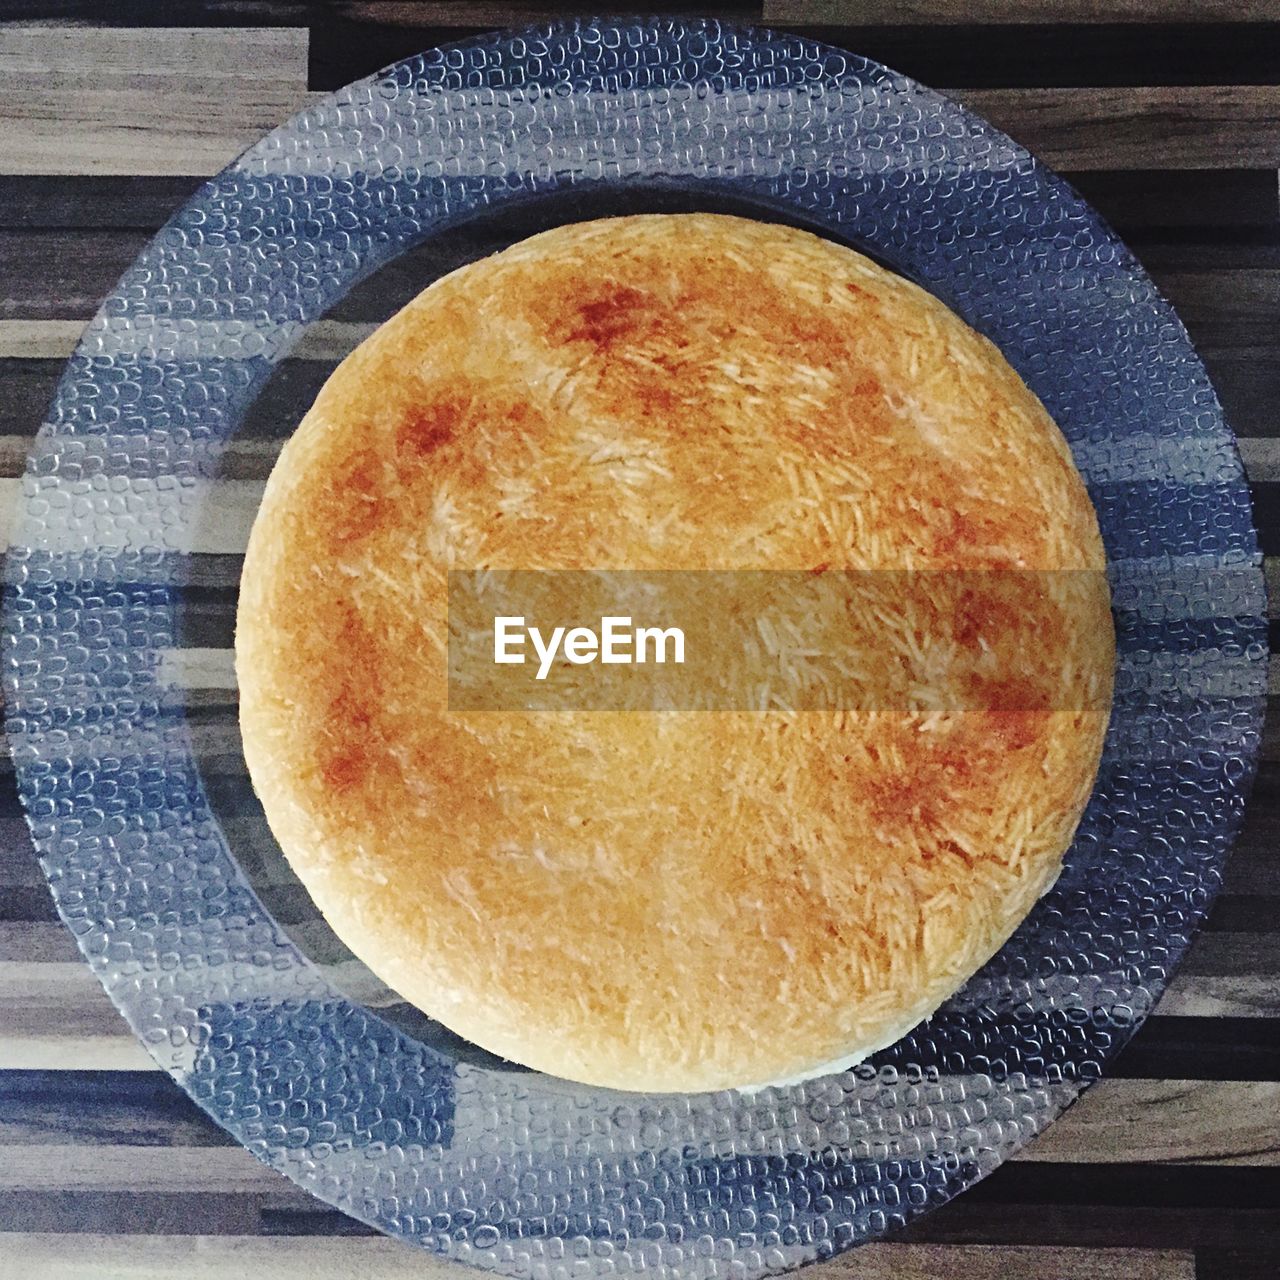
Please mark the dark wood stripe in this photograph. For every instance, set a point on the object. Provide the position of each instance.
(1180, 1048)
(1130, 199)
(1254, 866)
(124, 1108)
(1205, 249)
(1105, 1205)
(1034, 1204)
(29, 386)
(977, 56)
(1224, 954)
(62, 275)
(1250, 1263)
(1266, 512)
(1149, 200)
(1236, 913)
(289, 904)
(63, 270)
(91, 202)
(311, 1219)
(1247, 383)
(953, 55)
(1249, 389)
(178, 1214)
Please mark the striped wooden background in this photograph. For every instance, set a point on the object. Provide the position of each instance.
(1166, 113)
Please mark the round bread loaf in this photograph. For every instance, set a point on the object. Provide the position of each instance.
(673, 900)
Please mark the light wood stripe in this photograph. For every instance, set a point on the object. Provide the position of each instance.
(168, 101)
(107, 1052)
(1149, 1121)
(143, 101)
(1244, 995)
(91, 1256)
(140, 1169)
(1261, 459)
(56, 339)
(222, 528)
(85, 1256)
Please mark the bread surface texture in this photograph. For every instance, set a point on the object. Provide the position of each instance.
(681, 900)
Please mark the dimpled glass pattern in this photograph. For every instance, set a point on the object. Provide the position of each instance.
(510, 1170)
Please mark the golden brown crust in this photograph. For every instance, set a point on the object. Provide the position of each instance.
(685, 900)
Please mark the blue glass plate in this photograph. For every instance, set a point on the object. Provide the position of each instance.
(508, 1169)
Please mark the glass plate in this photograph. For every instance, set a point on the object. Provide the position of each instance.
(409, 1130)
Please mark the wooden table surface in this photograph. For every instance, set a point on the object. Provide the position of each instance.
(1166, 113)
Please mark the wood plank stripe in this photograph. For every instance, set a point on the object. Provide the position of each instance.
(1205, 1122)
(157, 101)
(1118, 1204)
(85, 1256)
(115, 1050)
(141, 1170)
(50, 1118)
(1134, 201)
(186, 101)
(1138, 200)
(1242, 1263)
(276, 13)
(46, 300)
(1079, 1207)
(57, 202)
(161, 13)
(1022, 12)
(55, 1016)
(959, 54)
(1226, 954)
(226, 517)
(1230, 314)
(1241, 996)
(286, 1211)
(1218, 1048)
(38, 339)
(1228, 127)
(59, 275)
(133, 1108)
